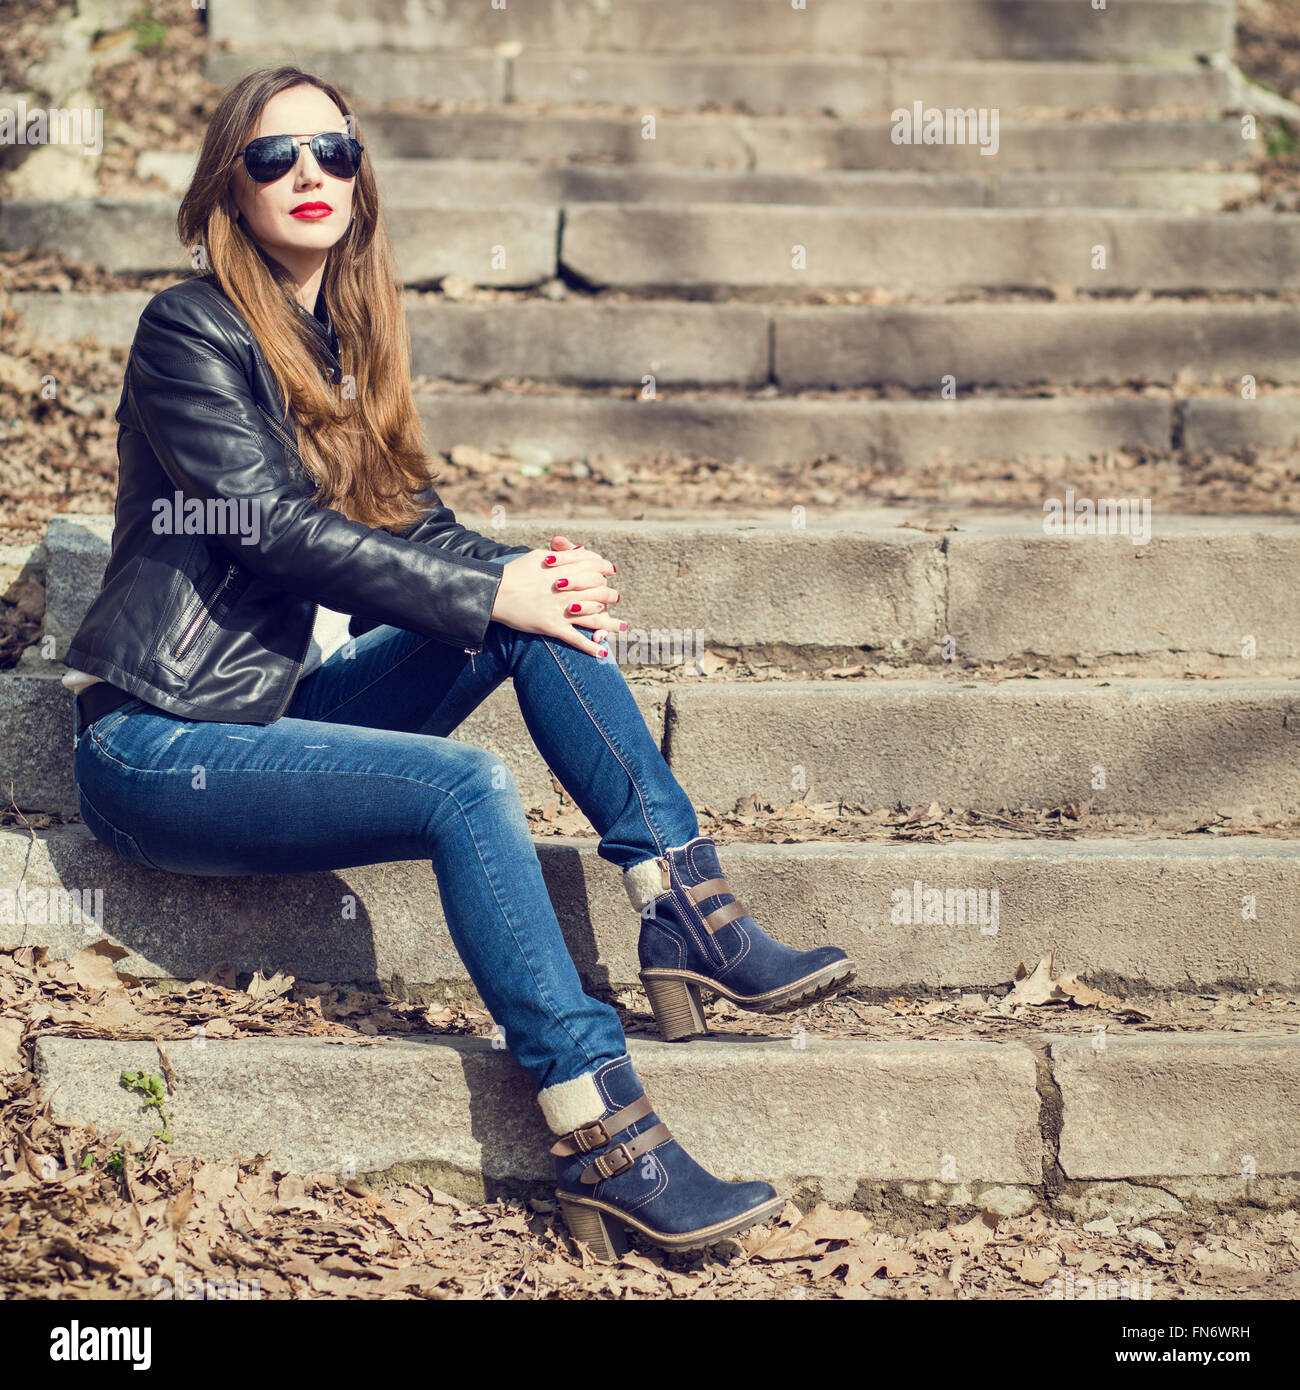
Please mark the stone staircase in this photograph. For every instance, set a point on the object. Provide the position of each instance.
(1000, 667)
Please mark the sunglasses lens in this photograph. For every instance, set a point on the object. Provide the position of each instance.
(335, 154)
(270, 158)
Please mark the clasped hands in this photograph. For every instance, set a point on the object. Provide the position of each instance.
(556, 592)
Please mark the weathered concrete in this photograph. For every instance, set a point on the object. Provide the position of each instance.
(1230, 424)
(726, 142)
(1179, 1105)
(893, 435)
(1152, 913)
(1199, 585)
(917, 345)
(927, 248)
(997, 29)
(834, 1112)
(758, 82)
(1222, 747)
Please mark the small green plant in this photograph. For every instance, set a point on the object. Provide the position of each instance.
(115, 1163)
(150, 33)
(1281, 140)
(151, 1087)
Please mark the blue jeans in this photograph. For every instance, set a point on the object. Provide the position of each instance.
(360, 770)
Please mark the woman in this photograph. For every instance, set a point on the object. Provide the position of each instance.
(230, 720)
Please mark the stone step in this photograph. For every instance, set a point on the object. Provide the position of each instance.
(139, 235)
(437, 181)
(747, 248)
(701, 248)
(762, 83)
(891, 435)
(794, 144)
(1229, 747)
(582, 342)
(1143, 746)
(1164, 914)
(953, 1123)
(1197, 587)
(1169, 31)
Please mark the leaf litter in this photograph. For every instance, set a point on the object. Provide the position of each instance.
(77, 1223)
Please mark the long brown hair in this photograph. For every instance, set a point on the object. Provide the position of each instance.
(363, 447)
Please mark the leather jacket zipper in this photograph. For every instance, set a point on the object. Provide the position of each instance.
(204, 613)
(473, 652)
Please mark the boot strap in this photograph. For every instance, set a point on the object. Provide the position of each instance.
(720, 916)
(597, 1134)
(621, 1157)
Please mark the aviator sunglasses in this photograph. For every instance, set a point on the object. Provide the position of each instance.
(272, 156)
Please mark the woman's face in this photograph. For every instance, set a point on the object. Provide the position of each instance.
(286, 216)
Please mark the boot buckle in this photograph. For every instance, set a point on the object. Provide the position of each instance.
(592, 1136)
(603, 1162)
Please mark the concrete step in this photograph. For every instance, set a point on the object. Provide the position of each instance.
(583, 342)
(718, 248)
(701, 248)
(761, 83)
(139, 235)
(1185, 748)
(1197, 587)
(1171, 31)
(1127, 914)
(432, 182)
(1144, 746)
(801, 144)
(891, 435)
(1002, 1125)
(36, 723)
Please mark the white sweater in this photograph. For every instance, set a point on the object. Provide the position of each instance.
(329, 633)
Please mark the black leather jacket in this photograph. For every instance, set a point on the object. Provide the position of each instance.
(205, 625)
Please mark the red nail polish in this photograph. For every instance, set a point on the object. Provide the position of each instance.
(560, 583)
(603, 652)
(549, 560)
(622, 627)
(615, 569)
(575, 608)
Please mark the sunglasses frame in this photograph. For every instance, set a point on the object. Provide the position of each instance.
(298, 142)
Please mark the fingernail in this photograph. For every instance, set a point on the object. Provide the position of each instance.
(549, 560)
(615, 569)
(560, 583)
(622, 627)
(577, 547)
(603, 652)
(575, 608)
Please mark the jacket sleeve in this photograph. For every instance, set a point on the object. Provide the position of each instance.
(439, 527)
(190, 395)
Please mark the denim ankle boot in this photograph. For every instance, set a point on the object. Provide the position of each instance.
(625, 1169)
(695, 935)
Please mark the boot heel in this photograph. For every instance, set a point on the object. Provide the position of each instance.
(678, 1007)
(603, 1236)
